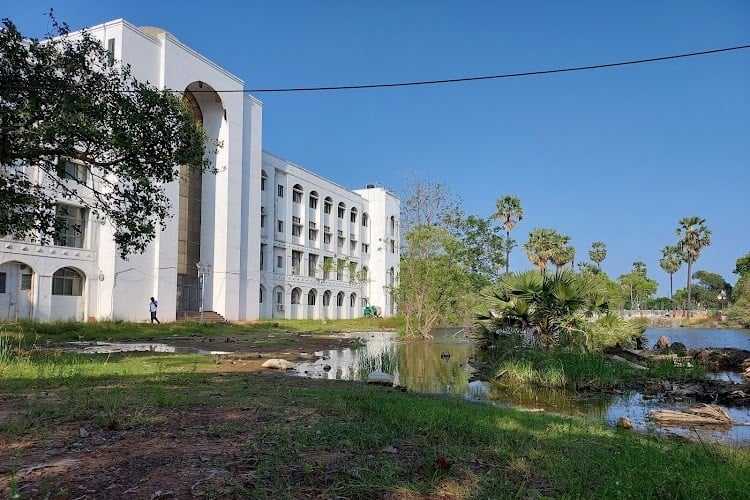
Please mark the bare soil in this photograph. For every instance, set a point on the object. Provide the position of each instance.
(176, 454)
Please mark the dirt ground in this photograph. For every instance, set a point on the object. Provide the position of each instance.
(175, 456)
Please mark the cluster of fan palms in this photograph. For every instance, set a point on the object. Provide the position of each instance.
(546, 308)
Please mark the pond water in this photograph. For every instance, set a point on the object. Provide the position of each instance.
(442, 366)
(694, 338)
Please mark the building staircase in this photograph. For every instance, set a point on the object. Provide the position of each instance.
(208, 316)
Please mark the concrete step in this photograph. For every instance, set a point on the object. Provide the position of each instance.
(208, 316)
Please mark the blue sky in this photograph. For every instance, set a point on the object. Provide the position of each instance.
(616, 155)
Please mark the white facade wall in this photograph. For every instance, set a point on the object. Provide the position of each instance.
(236, 285)
(295, 282)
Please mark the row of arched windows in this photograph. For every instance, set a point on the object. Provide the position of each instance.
(298, 195)
(312, 297)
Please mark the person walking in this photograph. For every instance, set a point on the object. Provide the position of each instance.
(152, 306)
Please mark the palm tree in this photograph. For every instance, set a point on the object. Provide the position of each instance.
(542, 245)
(564, 254)
(693, 235)
(510, 212)
(670, 262)
(598, 253)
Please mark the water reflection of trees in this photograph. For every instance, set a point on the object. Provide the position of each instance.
(553, 400)
(434, 367)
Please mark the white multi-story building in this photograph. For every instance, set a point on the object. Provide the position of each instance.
(262, 238)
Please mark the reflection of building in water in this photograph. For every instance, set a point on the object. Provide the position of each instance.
(378, 354)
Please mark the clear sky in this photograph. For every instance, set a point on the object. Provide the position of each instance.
(616, 155)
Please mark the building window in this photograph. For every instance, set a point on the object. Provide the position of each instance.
(3, 279)
(312, 234)
(279, 297)
(393, 246)
(280, 262)
(341, 210)
(296, 262)
(340, 269)
(353, 246)
(364, 274)
(327, 205)
(67, 281)
(262, 216)
(353, 300)
(260, 295)
(311, 297)
(25, 282)
(263, 178)
(72, 222)
(111, 52)
(262, 257)
(353, 215)
(313, 200)
(280, 191)
(75, 171)
(393, 225)
(297, 193)
(312, 265)
(296, 229)
(327, 266)
(327, 235)
(340, 299)
(279, 226)
(365, 219)
(327, 298)
(365, 248)
(352, 272)
(296, 293)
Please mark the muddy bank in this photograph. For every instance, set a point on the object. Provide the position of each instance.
(734, 392)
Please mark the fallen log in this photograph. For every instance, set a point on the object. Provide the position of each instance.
(702, 414)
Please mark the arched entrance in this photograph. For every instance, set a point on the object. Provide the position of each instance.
(206, 107)
(17, 283)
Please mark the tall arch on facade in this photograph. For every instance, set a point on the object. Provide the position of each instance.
(206, 108)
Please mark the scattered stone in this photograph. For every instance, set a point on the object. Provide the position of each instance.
(624, 423)
(379, 378)
(390, 449)
(83, 432)
(278, 364)
(678, 348)
(662, 342)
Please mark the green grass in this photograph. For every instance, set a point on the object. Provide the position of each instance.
(574, 369)
(28, 332)
(348, 440)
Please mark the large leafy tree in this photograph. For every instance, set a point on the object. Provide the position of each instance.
(636, 285)
(479, 249)
(433, 284)
(63, 99)
(509, 213)
(693, 237)
(739, 311)
(670, 263)
(428, 203)
(709, 287)
(598, 253)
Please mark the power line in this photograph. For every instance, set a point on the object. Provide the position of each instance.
(505, 75)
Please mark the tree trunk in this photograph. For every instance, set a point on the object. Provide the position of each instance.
(671, 293)
(507, 252)
(690, 288)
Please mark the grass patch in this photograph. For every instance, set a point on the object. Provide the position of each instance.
(29, 333)
(290, 438)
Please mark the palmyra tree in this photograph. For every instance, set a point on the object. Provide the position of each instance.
(510, 212)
